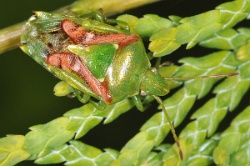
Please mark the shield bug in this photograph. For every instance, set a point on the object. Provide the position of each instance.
(100, 60)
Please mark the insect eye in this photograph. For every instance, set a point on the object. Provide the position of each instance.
(143, 93)
(154, 70)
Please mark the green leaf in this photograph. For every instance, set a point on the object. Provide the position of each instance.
(53, 156)
(226, 39)
(45, 137)
(193, 30)
(151, 134)
(157, 127)
(230, 92)
(234, 142)
(147, 25)
(208, 116)
(207, 61)
(82, 119)
(151, 23)
(178, 106)
(136, 150)
(78, 153)
(12, 150)
(115, 110)
(62, 89)
(108, 157)
(243, 53)
(203, 155)
(233, 12)
(163, 42)
(130, 20)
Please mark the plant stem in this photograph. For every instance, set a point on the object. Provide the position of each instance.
(109, 7)
(10, 36)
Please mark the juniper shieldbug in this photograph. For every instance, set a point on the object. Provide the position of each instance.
(103, 61)
(98, 59)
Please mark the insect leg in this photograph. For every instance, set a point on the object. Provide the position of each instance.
(82, 97)
(137, 103)
(97, 15)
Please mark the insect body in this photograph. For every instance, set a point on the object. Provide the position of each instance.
(98, 59)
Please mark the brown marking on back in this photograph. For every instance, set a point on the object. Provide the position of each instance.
(74, 31)
(71, 62)
(81, 36)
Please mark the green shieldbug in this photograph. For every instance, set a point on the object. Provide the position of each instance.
(100, 60)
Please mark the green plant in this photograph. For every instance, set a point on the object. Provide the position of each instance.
(201, 143)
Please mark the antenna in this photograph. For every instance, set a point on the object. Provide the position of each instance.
(200, 77)
(158, 99)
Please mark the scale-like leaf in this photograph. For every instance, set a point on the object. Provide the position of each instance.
(45, 137)
(12, 150)
(82, 119)
(226, 40)
(192, 30)
(151, 23)
(233, 148)
(78, 153)
(209, 116)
